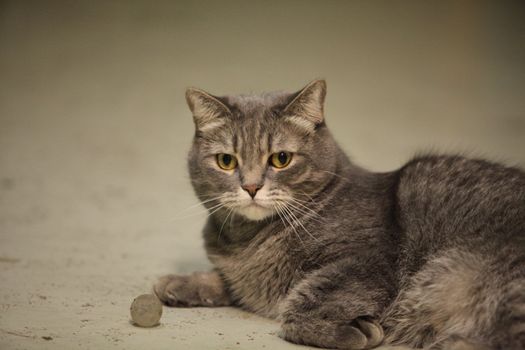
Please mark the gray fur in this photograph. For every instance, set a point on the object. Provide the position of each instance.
(431, 255)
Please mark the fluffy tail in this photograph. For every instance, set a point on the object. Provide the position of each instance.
(509, 332)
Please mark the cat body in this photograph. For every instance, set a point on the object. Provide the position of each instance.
(431, 255)
(262, 270)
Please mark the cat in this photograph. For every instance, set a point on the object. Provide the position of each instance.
(431, 255)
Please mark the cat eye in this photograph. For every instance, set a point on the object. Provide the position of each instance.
(280, 159)
(226, 161)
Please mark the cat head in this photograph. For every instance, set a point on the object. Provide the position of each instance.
(259, 155)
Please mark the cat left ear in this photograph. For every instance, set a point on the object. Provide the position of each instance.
(306, 109)
(208, 111)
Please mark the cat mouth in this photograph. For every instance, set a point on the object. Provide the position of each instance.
(255, 210)
(254, 203)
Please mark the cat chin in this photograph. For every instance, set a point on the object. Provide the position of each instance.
(255, 212)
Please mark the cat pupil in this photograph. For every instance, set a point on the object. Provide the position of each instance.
(226, 159)
(282, 157)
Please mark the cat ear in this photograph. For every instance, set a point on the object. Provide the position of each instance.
(306, 109)
(207, 109)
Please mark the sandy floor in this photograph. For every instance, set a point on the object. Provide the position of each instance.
(94, 133)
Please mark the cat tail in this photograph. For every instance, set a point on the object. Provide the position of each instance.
(509, 332)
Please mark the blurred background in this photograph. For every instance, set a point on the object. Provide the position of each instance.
(94, 132)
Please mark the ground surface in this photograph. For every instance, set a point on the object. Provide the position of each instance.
(94, 133)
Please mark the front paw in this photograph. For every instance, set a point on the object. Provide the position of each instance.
(198, 289)
(176, 290)
(366, 329)
(361, 333)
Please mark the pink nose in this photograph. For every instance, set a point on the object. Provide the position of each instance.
(251, 189)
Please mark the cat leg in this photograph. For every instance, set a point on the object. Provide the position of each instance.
(197, 289)
(338, 306)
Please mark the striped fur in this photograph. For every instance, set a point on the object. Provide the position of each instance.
(430, 256)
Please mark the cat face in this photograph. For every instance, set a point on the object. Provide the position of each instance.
(257, 156)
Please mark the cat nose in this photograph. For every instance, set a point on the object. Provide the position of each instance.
(251, 189)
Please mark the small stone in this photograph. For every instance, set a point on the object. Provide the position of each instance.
(146, 310)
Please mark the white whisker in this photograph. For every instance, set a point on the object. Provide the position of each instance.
(217, 198)
(300, 223)
(310, 210)
(283, 212)
(227, 216)
(310, 215)
(296, 220)
(206, 201)
(199, 213)
(331, 173)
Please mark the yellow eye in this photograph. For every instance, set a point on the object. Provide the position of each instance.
(281, 159)
(226, 161)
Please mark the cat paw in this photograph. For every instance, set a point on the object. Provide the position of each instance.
(175, 290)
(198, 289)
(361, 333)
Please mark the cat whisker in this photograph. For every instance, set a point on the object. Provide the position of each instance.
(215, 210)
(317, 218)
(309, 197)
(282, 212)
(201, 212)
(225, 219)
(306, 208)
(289, 216)
(301, 208)
(198, 204)
(208, 200)
(231, 219)
(331, 173)
(294, 217)
(278, 211)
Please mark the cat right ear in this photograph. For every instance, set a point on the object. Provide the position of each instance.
(207, 109)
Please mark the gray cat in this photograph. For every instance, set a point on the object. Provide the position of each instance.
(428, 256)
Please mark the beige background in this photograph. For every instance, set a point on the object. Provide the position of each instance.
(94, 133)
